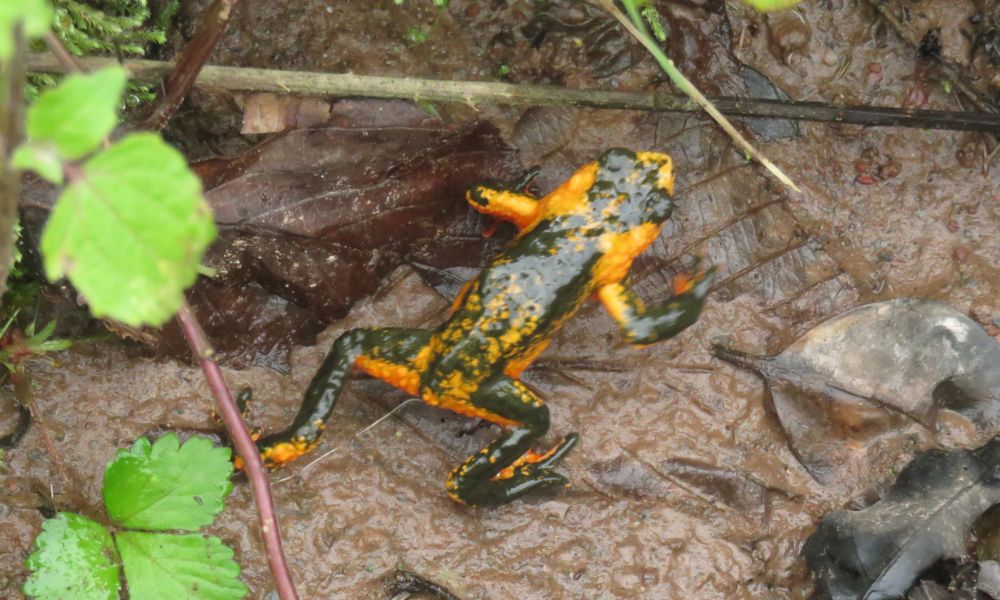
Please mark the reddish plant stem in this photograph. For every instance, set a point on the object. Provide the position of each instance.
(62, 53)
(237, 429)
(240, 436)
(12, 75)
(193, 57)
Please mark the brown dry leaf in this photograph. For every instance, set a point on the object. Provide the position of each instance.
(271, 113)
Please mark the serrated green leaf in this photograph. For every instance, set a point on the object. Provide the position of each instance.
(74, 558)
(176, 567)
(40, 158)
(167, 486)
(78, 113)
(769, 5)
(130, 232)
(35, 17)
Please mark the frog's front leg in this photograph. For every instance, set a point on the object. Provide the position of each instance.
(643, 325)
(509, 203)
(385, 353)
(507, 468)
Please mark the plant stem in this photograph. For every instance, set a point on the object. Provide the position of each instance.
(240, 436)
(194, 55)
(65, 56)
(12, 74)
(479, 92)
(235, 426)
(638, 30)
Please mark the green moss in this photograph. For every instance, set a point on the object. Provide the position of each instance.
(117, 27)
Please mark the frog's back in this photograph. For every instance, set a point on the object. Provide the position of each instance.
(527, 292)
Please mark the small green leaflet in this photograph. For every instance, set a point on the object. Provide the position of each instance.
(167, 486)
(769, 5)
(74, 558)
(162, 566)
(152, 486)
(130, 231)
(35, 17)
(76, 115)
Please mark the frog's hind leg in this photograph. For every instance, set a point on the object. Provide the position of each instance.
(508, 468)
(384, 353)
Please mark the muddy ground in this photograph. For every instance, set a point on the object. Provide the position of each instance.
(684, 484)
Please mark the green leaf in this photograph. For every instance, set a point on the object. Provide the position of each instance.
(78, 113)
(40, 158)
(168, 567)
(163, 486)
(130, 231)
(74, 558)
(769, 5)
(35, 17)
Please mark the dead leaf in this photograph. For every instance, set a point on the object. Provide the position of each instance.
(872, 381)
(879, 551)
(271, 113)
(312, 220)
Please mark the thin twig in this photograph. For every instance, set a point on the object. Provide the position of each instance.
(480, 92)
(240, 436)
(688, 88)
(214, 22)
(355, 436)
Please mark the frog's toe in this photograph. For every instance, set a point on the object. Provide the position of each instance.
(527, 479)
(536, 478)
(698, 278)
(558, 452)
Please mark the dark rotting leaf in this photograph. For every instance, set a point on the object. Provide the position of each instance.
(879, 551)
(313, 220)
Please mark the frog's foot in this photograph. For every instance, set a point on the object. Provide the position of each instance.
(645, 325)
(530, 472)
(534, 462)
(507, 468)
(243, 398)
(385, 353)
(687, 281)
(508, 202)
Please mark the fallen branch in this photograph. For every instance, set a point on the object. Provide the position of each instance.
(480, 92)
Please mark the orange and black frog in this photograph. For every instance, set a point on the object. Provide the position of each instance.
(574, 243)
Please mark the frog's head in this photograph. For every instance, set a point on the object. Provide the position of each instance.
(637, 187)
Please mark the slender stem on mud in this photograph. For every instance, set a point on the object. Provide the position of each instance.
(240, 436)
(479, 92)
(687, 87)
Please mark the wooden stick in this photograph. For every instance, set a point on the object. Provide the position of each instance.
(480, 92)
